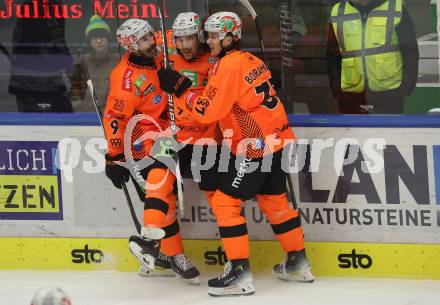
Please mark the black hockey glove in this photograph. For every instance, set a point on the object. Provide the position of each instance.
(276, 80)
(173, 82)
(116, 173)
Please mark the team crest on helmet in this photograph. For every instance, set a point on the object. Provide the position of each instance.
(228, 24)
(197, 20)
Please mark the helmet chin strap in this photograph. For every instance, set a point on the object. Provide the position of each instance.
(225, 50)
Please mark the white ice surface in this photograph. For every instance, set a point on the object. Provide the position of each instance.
(113, 288)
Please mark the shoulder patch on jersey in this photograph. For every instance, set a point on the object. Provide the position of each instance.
(126, 80)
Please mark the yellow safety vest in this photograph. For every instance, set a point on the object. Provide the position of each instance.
(371, 56)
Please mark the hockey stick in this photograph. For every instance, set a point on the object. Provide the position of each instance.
(5, 51)
(118, 23)
(254, 15)
(171, 112)
(251, 10)
(99, 112)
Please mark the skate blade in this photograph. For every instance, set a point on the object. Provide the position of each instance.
(243, 289)
(152, 233)
(148, 261)
(157, 272)
(305, 276)
(194, 281)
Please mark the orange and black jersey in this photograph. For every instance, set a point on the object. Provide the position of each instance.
(197, 70)
(134, 89)
(240, 96)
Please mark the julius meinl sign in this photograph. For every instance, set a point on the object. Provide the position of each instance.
(46, 9)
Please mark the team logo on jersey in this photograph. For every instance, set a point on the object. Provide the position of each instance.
(192, 75)
(211, 60)
(228, 24)
(126, 80)
(157, 99)
(138, 83)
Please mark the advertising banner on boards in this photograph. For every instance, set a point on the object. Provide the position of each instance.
(30, 182)
(388, 192)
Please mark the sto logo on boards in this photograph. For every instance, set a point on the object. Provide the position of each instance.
(87, 255)
(354, 260)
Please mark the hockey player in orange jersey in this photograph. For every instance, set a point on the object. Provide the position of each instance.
(134, 89)
(240, 97)
(190, 56)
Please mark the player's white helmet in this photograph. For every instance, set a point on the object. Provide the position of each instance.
(54, 296)
(188, 24)
(131, 31)
(223, 23)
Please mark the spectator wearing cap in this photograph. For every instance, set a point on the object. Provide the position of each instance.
(99, 61)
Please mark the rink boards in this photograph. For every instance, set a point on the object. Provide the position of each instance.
(327, 258)
(381, 218)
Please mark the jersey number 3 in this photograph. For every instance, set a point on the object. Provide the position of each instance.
(270, 102)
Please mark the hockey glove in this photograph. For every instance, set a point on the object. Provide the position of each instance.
(275, 80)
(173, 82)
(116, 173)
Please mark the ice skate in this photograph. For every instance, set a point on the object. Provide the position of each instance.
(162, 267)
(295, 268)
(235, 281)
(146, 251)
(184, 269)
